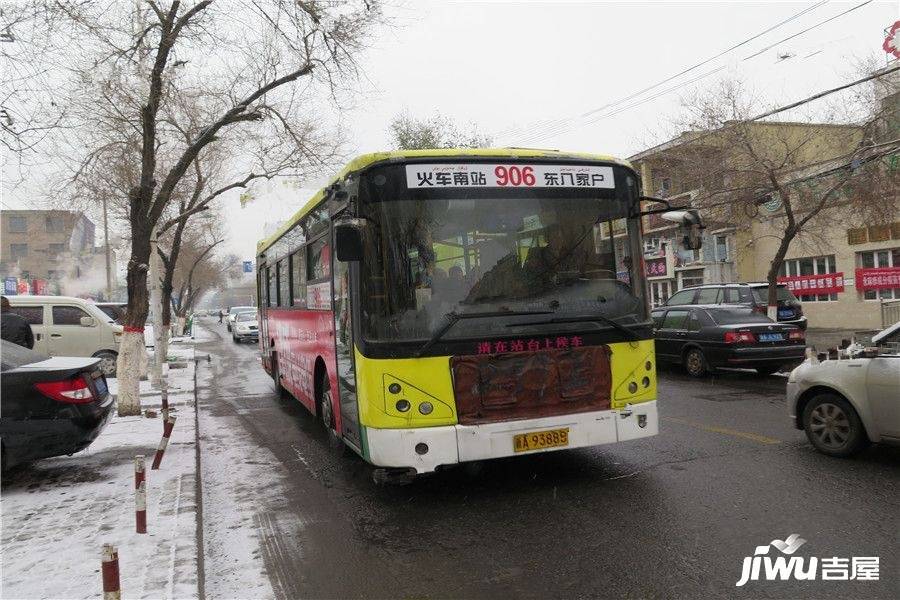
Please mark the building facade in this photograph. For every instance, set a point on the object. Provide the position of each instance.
(841, 271)
(51, 252)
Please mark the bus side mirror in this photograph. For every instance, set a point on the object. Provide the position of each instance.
(690, 227)
(348, 239)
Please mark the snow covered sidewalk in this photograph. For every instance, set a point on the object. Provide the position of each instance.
(58, 513)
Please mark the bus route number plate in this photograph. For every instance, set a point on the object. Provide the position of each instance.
(538, 440)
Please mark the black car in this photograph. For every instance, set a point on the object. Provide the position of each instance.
(51, 406)
(702, 338)
(751, 295)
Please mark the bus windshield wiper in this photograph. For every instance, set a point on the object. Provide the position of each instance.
(453, 317)
(578, 319)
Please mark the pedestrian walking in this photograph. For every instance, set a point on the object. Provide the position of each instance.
(14, 328)
(221, 314)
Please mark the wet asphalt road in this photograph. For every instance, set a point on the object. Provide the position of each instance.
(670, 516)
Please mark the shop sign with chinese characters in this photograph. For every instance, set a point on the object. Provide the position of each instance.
(486, 175)
(656, 267)
(827, 283)
(881, 278)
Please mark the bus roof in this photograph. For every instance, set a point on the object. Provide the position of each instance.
(365, 160)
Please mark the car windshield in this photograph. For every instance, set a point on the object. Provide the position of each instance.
(782, 294)
(733, 317)
(457, 251)
(245, 316)
(240, 309)
(14, 356)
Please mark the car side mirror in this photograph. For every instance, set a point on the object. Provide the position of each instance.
(690, 227)
(87, 321)
(348, 239)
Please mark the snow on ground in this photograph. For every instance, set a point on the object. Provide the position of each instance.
(57, 513)
(234, 470)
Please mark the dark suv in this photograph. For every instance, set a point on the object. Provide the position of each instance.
(754, 295)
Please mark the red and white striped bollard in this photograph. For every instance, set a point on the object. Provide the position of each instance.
(167, 431)
(110, 570)
(140, 495)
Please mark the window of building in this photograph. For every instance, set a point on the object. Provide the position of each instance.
(660, 292)
(33, 314)
(55, 223)
(723, 248)
(879, 259)
(813, 265)
(17, 251)
(691, 277)
(57, 248)
(18, 225)
(68, 315)
(298, 264)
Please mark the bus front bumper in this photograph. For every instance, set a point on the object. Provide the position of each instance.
(426, 448)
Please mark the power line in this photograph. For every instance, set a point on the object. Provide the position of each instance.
(809, 28)
(553, 124)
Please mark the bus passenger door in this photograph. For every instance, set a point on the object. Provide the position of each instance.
(343, 341)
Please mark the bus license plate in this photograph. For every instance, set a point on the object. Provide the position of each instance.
(537, 440)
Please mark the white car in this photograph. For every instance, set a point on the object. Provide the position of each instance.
(843, 404)
(233, 311)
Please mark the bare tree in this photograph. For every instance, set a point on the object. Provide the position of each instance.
(438, 131)
(732, 163)
(165, 82)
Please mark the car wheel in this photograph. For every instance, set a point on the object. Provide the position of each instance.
(695, 363)
(107, 362)
(768, 369)
(234, 339)
(833, 427)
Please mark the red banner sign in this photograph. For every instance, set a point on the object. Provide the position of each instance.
(882, 278)
(655, 267)
(828, 283)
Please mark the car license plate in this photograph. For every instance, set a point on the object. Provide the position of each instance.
(100, 383)
(770, 337)
(537, 440)
(785, 314)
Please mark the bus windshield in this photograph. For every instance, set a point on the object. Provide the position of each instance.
(544, 256)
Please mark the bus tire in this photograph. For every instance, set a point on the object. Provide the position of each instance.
(325, 411)
(276, 376)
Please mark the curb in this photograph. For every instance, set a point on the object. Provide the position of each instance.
(198, 492)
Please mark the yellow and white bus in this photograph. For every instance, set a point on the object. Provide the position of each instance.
(440, 306)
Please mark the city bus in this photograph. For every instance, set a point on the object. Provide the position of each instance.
(434, 307)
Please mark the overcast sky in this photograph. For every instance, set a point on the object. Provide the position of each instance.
(512, 67)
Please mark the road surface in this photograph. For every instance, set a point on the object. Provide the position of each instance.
(669, 516)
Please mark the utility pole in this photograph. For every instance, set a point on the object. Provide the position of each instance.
(109, 277)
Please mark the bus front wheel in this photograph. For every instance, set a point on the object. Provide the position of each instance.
(326, 411)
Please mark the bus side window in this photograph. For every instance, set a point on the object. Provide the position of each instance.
(298, 264)
(271, 283)
(283, 284)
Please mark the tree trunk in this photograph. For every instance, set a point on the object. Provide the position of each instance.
(772, 276)
(132, 359)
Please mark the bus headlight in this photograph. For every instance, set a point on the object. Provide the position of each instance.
(426, 408)
(402, 405)
(632, 388)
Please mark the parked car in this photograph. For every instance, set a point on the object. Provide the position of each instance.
(752, 295)
(843, 404)
(65, 326)
(702, 338)
(51, 406)
(245, 327)
(114, 310)
(233, 311)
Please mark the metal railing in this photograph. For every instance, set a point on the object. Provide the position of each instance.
(890, 312)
